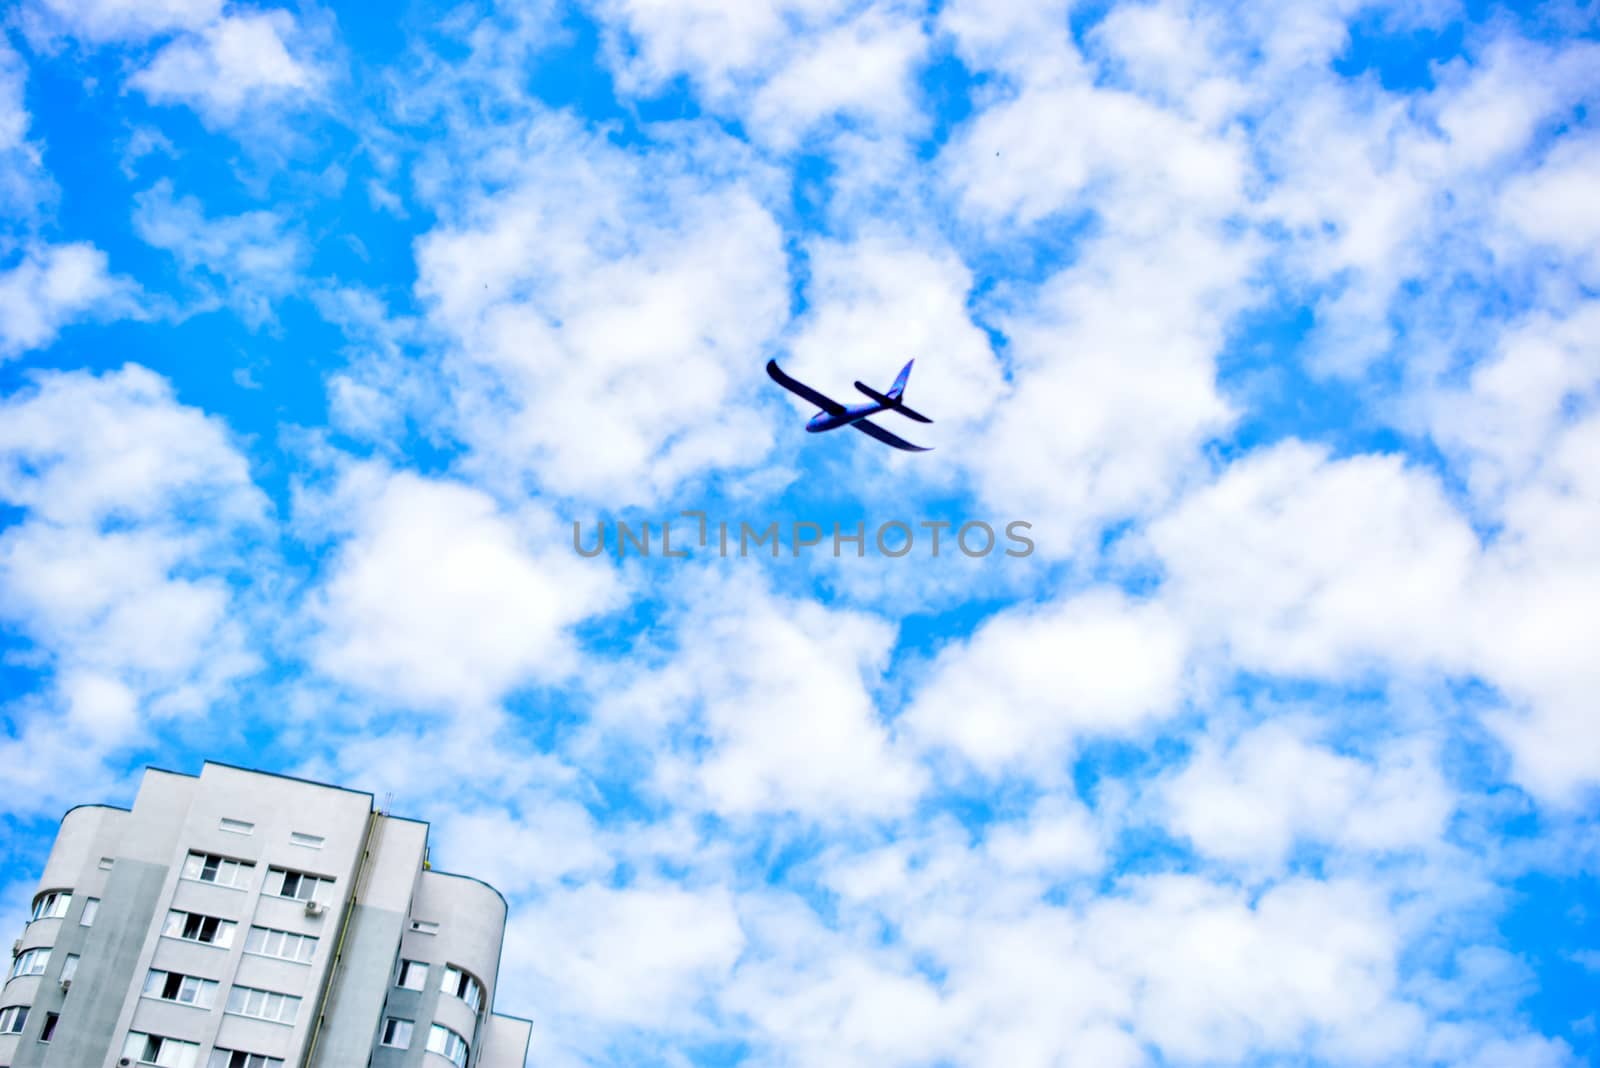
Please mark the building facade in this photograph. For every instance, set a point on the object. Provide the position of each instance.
(237, 919)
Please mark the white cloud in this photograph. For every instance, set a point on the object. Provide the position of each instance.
(1273, 788)
(84, 451)
(666, 946)
(1108, 409)
(714, 39)
(234, 64)
(1308, 963)
(1550, 204)
(1541, 579)
(1075, 145)
(1294, 563)
(599, 306)
(812, 995)
(781, 66)
(771, 700)
(1378, 189)
(118, 571)
(1058, 837)
(860, 70)
(1112, 359)
(53, 286)
(1028, 40)
(114, 20)
(1197, 971)
(1031, 681)
(1174, 53)
(515, 851)
(1514, 404)
(23, 182)
(257, 258)
(14, 118)
(437, 597)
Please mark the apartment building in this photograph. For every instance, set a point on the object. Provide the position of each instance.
(238, 919)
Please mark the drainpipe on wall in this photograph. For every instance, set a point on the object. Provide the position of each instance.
(344, 930)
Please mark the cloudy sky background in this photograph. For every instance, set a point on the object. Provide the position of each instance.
(319, 327)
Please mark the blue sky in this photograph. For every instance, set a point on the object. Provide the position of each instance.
(320, 327)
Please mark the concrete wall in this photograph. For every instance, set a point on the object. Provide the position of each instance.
(107, 969)
(505, 1044)
(366, 961)
(470, 917)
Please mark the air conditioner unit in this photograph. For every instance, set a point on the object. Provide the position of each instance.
(66, 984)
(313, 909)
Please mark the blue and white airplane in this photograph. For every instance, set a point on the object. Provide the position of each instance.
(835, 415)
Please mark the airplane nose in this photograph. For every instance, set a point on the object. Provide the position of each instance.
(814, 424)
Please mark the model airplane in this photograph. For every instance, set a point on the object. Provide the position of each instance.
(835, 415)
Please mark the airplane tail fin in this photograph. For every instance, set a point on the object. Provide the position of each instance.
(899, 386)
(891, 400)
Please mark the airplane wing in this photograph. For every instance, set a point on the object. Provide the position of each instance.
(892, 404)
(873, 430)
(800, 389)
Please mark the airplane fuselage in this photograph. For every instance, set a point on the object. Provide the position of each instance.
(833, 420)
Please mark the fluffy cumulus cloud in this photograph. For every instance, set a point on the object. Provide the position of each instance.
(109, 20)
(1274, 788)
(599, 305)
(785, 68)
(1537, 581)
(127, 603)
(53, 285)
(1032, 680)
(1279, 328)
(1299, 564)
(765, 705)
(232, 64)
(437, 597)
(229, 65)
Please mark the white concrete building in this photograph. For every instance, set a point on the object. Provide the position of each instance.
(238, 919)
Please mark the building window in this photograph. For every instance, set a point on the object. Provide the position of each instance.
(182, 989)
(69, 967)
(424, 927)
(48, 1031)
(210, 868)
(165, 1052)
(296, 885)
(91, 909)
(263, 1004)
(310, 841)
(237, 826)
(413, 975)
(281, 944)
(30, 962)
(12, 1019)
(234, 1058)
(462, 984)
(193, 927)
(106, 862)
(52, 905)
(397, 1033)
(450, 1045)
